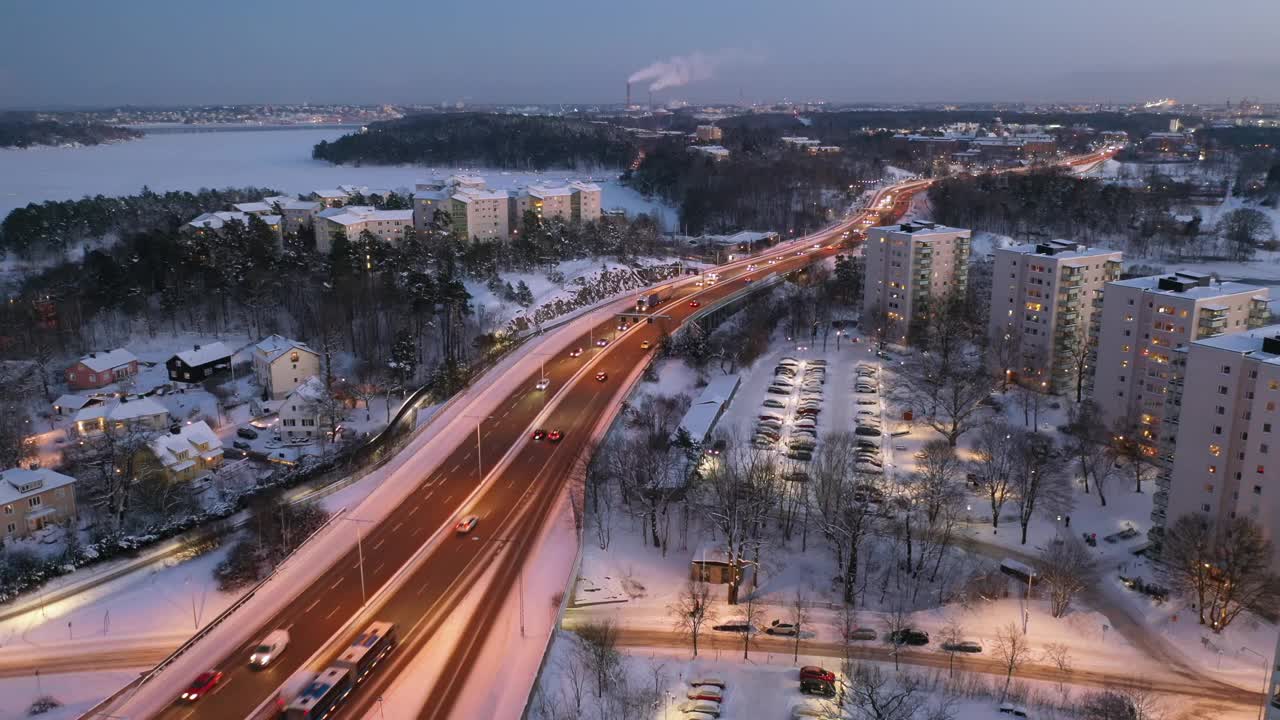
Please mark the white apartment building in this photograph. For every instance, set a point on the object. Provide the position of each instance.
(1224, 420)
(386, 225)
(1042, 309)
(299, 214)
(584, 204)
(1143, 321)
(475, 211)
(708, 133)
(479, 213)
(908, 266)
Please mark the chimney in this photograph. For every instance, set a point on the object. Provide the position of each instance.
(197, 348)
(93, 354)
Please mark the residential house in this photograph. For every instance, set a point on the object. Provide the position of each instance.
(281, 364)
(119, 415)
(68, 404)
(187, 452)
(32, 499)
(302, 414)
(99, 369)
(199, 363)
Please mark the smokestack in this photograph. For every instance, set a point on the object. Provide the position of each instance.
(628, 107)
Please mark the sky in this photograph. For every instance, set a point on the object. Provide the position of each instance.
(86, 53)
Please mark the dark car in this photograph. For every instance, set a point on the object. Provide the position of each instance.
(694, 304)
(204, 683)
(734, 626)
(247, 433)
(964, 646)
(240, 445)
(813, 686)
(539, 435)
(909, 636)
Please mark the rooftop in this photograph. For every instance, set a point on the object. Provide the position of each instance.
(273, 346)
(203, 354)
(330, 194)
(196, 438)
(1064, 249)
(120, 410)
(919, 227)
(104, 361)
(1262, 343)
(43, 480)
(1192, 285)
(705, 411)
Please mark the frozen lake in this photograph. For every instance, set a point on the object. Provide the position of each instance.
(279, 159)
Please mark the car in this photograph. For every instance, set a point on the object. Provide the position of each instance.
(575, 352)
(554, 436)
(539, 435)
(817, 672)
(240, 445)
(774, 389)
(204, 684)
(645, 344)
(705, 707)
(867, 401)
(247, 433)
(821, 688)
(862, 634)
(694, 304)
(602, 376)
(868, 468)
(601, 342)
(964, 646)
(737, 625)
(712, 681)
(1014, 710)
(466, 524)
(543, 384)
(622, 327)
(781, 628)
(774, 403)
(909, 636)
(270, 648)
(751, 267)
(705, 692)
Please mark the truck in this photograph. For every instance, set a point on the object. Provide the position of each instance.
(648, 301)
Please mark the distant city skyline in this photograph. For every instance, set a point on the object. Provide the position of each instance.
(79, 53)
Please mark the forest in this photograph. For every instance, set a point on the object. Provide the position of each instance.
(23, 130)
(508, 142)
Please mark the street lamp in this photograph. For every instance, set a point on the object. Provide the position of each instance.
(479, 462)
(1266, 679)
(364, 597)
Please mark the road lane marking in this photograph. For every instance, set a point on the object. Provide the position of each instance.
(397, 527)
(414, 510)
(331, 612)
(311, 606)
(422, 589)
(446, 500)
(379, 543)
(455, 468)
(337, 583)
(380, 566)
(428, 497)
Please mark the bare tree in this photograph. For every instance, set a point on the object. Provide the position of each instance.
(949, 402)
(1125, 704)
(993, 466)
(1228, 569)
(1059, 656)
(798, 614)
(952, 636)
(599, 641)
(575, 672)
(739, 498)
(691, 610)
(870, 694)
(1065, 568)
(939, 470)
(1037, 481)
(897, 621)
(1132, 444)
(1011, 649)
(751, 616)
(844, 501)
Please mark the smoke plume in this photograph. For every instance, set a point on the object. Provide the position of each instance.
(684, 69)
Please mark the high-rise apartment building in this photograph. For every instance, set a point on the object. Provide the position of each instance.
(1223, 444)
(909, 268)
(1143, 321)
(1042, 309)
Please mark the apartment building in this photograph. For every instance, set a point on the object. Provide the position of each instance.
(386, 225)
(479, 213)
(908, 267)
(31, 500)
(584, 203)
(299, 214)
(1042, 309)
(708, 133)
(1143, 321)
(1221, 464)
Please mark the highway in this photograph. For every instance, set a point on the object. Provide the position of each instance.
(511, 509)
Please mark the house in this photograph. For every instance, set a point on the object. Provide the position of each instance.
(118, 415)
(214, 222)
(302, 413)
(199, 363)
(710, 564)
(98, 369)
(187, 452)
(31, 500)
(281, 364)
(67, 404)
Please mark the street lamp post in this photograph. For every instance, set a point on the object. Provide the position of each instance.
(364, 595)
(1266, 678)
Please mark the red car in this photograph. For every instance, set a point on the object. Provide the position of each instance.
(813, 672)
(694, 304)
(539, 435)
(204, 684)
(554, 436)
(602, 376)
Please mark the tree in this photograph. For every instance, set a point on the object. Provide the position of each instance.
(995, 458)
(1037, 481)
(870, 694)
(600, 645)
(952, 636)
(1065, 568)
(404, 359)
(1243, 230)
(938, 469)
(947, 400)
(1227, 568)
(1011, 649)
(798, 614)
(1132, 441)
(691, 610)
(739, 498)
(843, 499)
(1059, 656)
(751, 616)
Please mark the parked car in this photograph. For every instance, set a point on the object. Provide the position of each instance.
(1014, 710)
(705, 692)
(909, 636)
(708, 680)
(821, 688)
(772, 403)
(738, 625)
(247, 433)
(964, 646)
(240, 445)
(862, 634)
(781, 628)
(710, 707)
(817, 673)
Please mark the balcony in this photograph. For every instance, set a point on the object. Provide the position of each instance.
(1161, 499)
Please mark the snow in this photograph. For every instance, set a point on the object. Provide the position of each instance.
(76, 691)
(277, 159)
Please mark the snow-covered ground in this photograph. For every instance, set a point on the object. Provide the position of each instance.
(77, 692)
(277, 159)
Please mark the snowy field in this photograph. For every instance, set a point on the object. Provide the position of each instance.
(279, 159)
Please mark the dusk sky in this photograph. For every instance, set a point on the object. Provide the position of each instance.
(60, 53)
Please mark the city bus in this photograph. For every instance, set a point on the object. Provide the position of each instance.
(367, 649)
(322, 696)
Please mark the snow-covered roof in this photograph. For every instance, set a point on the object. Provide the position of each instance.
(467, 194)
(203, 354)
(433, 194)
(71, 402)
(330, 194)
(546, 191)
(465, 180)
(364, 213)
(216, 220)
(921, 227)
(36, 481)
(274, 346)
(310, 390)
(1250, 342)
(711, 554)
(703, 413)
(301, 205)
(170, 447)
(584, 186)
(1061, 249)
(105, 361)
(121, 410)
(1179, 285)
(714, 150)
(253, 207)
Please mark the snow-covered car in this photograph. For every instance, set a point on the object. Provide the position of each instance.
(705, 692)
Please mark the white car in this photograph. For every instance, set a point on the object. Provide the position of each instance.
(543, 384)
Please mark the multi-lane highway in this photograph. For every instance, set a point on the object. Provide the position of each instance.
(511, 507)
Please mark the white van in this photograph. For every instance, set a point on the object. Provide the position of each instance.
(269, 649)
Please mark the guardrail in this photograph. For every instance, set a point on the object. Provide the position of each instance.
(100, 708)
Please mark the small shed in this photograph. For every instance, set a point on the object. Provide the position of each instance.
(710, 564)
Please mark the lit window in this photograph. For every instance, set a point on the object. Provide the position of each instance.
(1215, 449)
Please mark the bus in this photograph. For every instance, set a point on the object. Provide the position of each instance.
(1021, 571)
(322, 696)
(367, 649)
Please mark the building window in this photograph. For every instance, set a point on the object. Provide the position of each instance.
(1222, 389)
(35, 501)
(93, 378)
(1213, 469)
(1208, 487)
(1257, 489)
(8, 509)
(13, 527)
(1221, 410)
(1215, 449)
(1204, 508)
